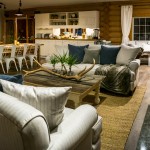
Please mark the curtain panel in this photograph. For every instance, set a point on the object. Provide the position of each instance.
(126, 20)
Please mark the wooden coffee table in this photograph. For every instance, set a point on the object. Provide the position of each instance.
(80, 89)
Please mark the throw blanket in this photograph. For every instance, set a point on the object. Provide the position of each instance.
(117, 78)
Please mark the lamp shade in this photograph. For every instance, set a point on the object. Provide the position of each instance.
(19, 12)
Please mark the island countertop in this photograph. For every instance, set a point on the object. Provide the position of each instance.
(76, 39)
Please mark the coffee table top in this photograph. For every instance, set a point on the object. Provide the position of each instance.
(42, 78)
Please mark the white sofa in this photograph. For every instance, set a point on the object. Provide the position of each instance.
(133, 66)
(146, 50)
(23, 127)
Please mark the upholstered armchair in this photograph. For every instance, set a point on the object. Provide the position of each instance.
(23, 127)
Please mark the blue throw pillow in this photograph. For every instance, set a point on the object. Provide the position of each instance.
(77, 52)
(108, 54)
(12, 78)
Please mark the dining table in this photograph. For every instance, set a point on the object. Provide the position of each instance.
(19, 49)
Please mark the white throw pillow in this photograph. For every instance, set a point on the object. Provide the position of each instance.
(49, 100)
(127, 54)
(146, 47)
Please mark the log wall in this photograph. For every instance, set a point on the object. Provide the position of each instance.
(110, 15)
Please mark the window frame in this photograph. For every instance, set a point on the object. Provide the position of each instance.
(145, 33)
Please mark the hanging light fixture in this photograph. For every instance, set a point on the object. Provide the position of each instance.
(2, 5)
(19, 12)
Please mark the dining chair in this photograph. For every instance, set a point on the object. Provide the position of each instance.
(11, 58)
(22, 56)
(1, 57)
(33, 55)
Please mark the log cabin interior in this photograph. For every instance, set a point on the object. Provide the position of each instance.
(55, 24)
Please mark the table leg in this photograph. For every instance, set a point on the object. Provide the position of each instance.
(77, 104)
(75, 98)
(97, 98)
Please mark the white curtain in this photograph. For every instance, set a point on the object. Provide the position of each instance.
(126, 20)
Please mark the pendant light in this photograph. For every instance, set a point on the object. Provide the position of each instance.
(19, 12)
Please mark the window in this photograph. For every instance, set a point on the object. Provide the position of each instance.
(141, 29)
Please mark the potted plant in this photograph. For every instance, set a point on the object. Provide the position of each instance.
(53, 61)
(62, 59)
(71, 60)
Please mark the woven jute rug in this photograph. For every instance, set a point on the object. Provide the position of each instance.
(118, 113)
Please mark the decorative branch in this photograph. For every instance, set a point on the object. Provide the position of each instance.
(78, 76)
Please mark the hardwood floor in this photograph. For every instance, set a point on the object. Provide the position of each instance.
(144, 80)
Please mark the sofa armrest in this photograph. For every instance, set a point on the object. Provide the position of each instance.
(75, 128)
(134, 65)
(30, 122)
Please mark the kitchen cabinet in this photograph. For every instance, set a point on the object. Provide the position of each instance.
(72, 42)
(49, 46)
(84, 19)
(89, 19)
(81, 43)
(63, 18)
(42, 20)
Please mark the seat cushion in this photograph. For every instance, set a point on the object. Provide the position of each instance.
(12, 78)
(49, 100)
(76, 68)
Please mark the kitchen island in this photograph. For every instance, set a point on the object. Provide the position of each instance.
(49, 45)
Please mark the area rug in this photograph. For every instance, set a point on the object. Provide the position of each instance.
(118, 113)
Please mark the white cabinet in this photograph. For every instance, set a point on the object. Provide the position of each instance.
(47, 47)
(72, 42)
(41, 20)
(89, 19)
(84, 19)
(60, 19)
(50, 47)
(81, 43)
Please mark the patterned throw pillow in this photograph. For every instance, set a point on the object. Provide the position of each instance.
(49, 100)
(77, 52)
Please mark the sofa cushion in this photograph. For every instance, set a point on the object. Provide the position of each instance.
(49, 100)
(77, 52)
(108, 54)
(12, 78)
(91, 54)
(127, 54)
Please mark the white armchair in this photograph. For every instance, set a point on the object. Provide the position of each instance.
(22, 127)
